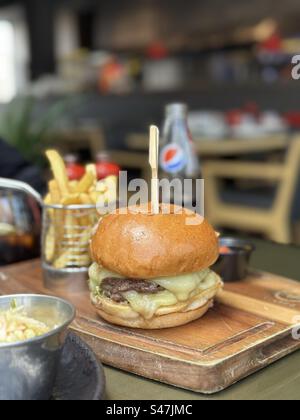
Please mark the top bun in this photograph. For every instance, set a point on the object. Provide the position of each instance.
(141, 245)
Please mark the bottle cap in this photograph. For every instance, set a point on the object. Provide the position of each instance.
(103, 156)
(179, 109)
(70, 158)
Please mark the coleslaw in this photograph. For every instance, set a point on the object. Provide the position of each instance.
(16, 325)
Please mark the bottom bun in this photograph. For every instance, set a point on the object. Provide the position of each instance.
(158, 322)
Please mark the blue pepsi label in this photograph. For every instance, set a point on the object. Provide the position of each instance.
(172, 159)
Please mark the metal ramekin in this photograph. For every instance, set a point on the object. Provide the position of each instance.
(28, 369)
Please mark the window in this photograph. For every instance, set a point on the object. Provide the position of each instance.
(7, 61)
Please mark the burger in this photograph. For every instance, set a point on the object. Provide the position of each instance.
(152, 271)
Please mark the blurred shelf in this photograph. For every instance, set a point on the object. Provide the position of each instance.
(227, 147)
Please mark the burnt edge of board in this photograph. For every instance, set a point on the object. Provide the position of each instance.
(206, 379)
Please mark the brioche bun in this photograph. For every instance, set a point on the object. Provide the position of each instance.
(158, 322)
(140, 245)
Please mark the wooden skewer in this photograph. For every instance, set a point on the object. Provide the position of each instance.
(153, 160)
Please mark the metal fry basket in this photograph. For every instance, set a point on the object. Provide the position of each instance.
(66, 235)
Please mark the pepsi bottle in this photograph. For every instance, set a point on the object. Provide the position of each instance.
(178, 158)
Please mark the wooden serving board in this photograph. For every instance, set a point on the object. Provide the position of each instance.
(249, 328)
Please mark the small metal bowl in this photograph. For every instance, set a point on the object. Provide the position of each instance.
(28, 369)
(233, 266)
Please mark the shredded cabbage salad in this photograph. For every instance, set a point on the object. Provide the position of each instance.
(16, 326)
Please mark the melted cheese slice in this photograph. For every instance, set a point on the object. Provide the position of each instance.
(96, 276)
(177, 289)
(183, 286)
(147, 305)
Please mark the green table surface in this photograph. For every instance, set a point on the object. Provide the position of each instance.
(280, 381)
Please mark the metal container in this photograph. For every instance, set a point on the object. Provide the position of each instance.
(28, 369)
(234, 266)
(66, 235)
(20, 226)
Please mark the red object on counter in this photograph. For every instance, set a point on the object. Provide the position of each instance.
(106, 168)
(234, 117)
(225, 250)
(111, 72)
(75, 171)
(252, 109)
(293, 119)
(157, 51)
(272, 44)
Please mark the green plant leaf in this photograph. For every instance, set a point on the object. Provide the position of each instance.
(26, 132)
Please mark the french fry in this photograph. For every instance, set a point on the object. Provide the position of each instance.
(108, 187)
(47, 199)
(110, 196)
(94, 196)
(83, 219)
(82, 260)
(55, 220)
(86, 199)
(101, 187)
(111, 180)
(73, 186)
(70, 199)
(62, 261)
(59, 171)
(69, 232)
(112, 184)
(92, 169)
(70, 221)
(54, 215)
(54, 192)
(50, 245)
(86, 183)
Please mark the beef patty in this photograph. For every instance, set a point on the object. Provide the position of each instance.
(113, 287)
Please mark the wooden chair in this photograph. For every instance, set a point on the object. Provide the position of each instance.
(74, 140)
(274, 222)
(133, 160)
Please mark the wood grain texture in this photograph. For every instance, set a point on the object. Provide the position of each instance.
(248, 329)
